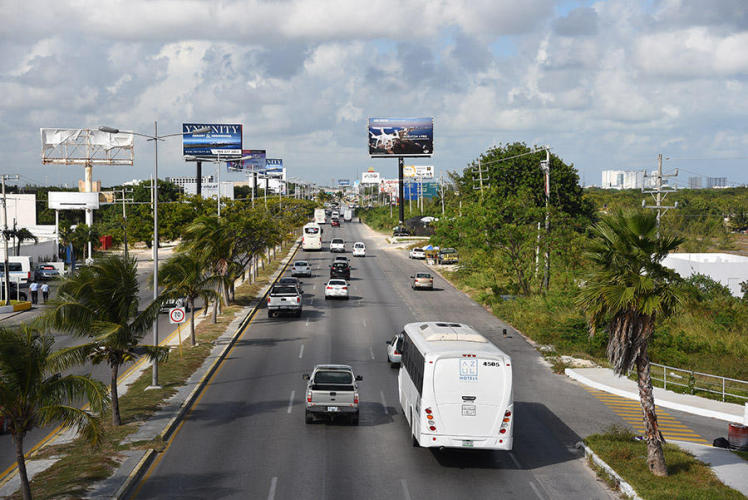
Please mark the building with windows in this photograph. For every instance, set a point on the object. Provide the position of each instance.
(181, 181)
(694, 183)
(716, 182)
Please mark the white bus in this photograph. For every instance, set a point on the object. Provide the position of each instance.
(319, 215)
(312, 237)
(455, 388)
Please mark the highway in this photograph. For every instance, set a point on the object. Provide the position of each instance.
(246, 436)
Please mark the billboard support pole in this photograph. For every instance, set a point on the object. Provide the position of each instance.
(400, 188)
(199, 178)
(89, 212)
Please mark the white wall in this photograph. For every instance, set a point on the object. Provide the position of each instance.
(728, 269)
(22, 208)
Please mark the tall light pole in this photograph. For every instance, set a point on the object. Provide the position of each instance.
(154, 183)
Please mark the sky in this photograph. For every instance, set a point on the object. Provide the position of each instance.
(607, 85)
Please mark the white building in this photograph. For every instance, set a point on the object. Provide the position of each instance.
(21, 208)
(728, 269)
(181, 181)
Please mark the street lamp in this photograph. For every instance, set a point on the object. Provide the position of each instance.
(154, 185)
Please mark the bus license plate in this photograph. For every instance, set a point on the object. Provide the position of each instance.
(332, 408)
(467, 443)
(468, 410)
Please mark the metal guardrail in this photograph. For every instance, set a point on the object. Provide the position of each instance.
(694, 381)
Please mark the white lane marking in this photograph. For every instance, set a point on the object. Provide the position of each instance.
(364, 323)
(290, 401)
(384, 403)
(406, 493)
(311, 301)
(514, 459)
(314, 287)
(371, 351)
(273, 486)
(307, 322)
(535, 489)
(301, 351)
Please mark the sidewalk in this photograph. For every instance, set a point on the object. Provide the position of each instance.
(605, 380)
(728, 467)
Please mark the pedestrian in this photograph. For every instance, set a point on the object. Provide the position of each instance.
(45, 292)
(34, 289)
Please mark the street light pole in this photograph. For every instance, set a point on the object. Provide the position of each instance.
(154, 372)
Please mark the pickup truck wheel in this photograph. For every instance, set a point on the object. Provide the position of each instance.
(270, 313)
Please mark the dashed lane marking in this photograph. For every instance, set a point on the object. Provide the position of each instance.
(384, 403)
(406, 493)
(273, 486)
(301, 351)
(630, 411)
(535, 489)
(290, 401)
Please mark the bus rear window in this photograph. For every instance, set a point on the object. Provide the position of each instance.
(311, 230)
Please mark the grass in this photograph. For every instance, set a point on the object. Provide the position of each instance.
(741, 454)
(82, 465)
(688, 478)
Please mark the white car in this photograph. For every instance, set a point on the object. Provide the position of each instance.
(417, 253)
(336, 289)
(394, 349)
(359, 249)
(337, 245)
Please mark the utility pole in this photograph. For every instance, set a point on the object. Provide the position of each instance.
(441, 185)
(6, 282)
(545, 166)
(659, 192)
(124, 200)
(481, 171)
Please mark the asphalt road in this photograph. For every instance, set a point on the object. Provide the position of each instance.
(246, 436)
(101, 372)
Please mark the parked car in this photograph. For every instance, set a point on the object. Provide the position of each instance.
(332, 392)
(337, 245)
(284, 299)
(301, 268)
(395, 349)
(290, 281)
(171, 303)
(400, 231)
(422, 280)
(46, 272)
(359, 249)
(447, 256)
(336, 289)
(417, 253)
(340, 270)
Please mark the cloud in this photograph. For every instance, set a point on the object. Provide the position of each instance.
(579, 22)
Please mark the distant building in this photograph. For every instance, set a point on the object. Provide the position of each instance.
(694, 183)
(181, 181)
(716, 182)
(623, 179)
(728, 269)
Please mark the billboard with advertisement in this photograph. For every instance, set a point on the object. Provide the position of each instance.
(401, 137)
(370, 177)
(422, 171)
(344, 182)
(412, 189)
(210, 189)
(253, 160)
(223, 140)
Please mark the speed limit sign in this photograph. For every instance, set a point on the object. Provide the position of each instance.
(176, 315)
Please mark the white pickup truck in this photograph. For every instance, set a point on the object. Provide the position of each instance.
(284, 299)
(332, 392)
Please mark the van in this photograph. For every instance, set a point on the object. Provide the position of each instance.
(19, 268)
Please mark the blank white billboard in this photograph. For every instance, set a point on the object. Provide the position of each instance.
(70, 200)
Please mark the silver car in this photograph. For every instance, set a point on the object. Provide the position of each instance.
(336, 289)
(301, 268)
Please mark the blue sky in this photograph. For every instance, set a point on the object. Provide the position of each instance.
(608, 85)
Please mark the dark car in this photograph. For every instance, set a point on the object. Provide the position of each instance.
(290, 281)
(340, 270)
(335, 223)
(400, 231)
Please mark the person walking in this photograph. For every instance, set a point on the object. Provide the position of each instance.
(34, 289)
(45, 292)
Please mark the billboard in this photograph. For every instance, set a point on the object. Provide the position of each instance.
(401, 137)
(274, 164)
(223, 139)
(254, 159)
(344, 182)
(210, 189)
(70, 200)
(370, 177)
(412, 190)
(422, 171)
(75, 146)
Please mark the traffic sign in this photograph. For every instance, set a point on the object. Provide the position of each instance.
(177, 315)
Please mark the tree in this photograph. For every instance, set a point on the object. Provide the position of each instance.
(627, 290)
(101, 302)
(21, 235)
(33, 393)
(184, 276)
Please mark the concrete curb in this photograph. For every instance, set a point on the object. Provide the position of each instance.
(150, 455)
(659, 402)
(625, 487)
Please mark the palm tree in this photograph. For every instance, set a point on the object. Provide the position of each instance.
(33, 393)
(101, 302)
(627, 290)
(184, 276)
